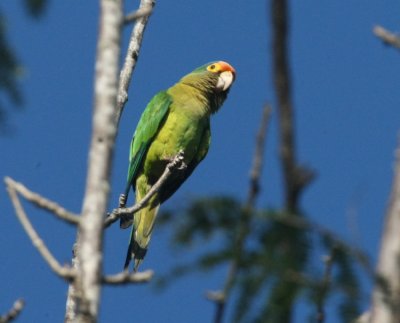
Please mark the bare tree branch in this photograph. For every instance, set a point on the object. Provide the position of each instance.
(296, 177)
(14, 311)
(256, 169)
(109, 105)
(144, 11)
(220, 297)
(43, 202)
(386, 294)
(387, 37)
(131, 57)
(62, 271)
(175, 164)
(127, 278)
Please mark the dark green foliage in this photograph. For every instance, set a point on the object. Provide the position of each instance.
(285, 249)
(10, 69)
(346, 280)
(342, 279)
(204, 262)
(207, 216)
(35, 7)
(277, 265)
(249, 290)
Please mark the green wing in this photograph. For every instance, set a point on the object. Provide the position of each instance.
(148, 126)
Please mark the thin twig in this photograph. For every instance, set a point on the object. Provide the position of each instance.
(62, 271)
(14, 311)
(126, 277)
(257, 165)
(43, 202)
(131, 58)
(386, 36)
(144, 11)
(176, 163)
(220, 297)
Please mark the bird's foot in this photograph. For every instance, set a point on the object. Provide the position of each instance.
(178, 161)
(122, 201)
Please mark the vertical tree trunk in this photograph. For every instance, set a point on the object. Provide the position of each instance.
(386, 295)
(296, 176)
(84, 295)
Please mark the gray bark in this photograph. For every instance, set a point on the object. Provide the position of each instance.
(83, 304)
(386, 295)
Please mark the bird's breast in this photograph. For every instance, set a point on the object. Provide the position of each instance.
(180, 131)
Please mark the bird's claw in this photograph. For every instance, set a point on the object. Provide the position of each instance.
(122, 200)
(182, 167)
(178, 161)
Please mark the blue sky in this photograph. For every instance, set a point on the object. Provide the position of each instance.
(345, 87)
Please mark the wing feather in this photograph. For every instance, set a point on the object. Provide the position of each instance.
(149, 124)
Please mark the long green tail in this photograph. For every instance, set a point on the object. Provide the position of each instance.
(141, 232)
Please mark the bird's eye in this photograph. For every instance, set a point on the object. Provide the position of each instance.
(212, 68)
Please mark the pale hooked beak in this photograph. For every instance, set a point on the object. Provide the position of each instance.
(225, 80)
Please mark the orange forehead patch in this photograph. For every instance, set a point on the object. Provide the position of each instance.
(220, 66)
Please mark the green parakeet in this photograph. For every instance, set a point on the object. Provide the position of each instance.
(177, 119)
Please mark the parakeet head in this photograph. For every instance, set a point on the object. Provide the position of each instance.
(214, 79)
(219, 73)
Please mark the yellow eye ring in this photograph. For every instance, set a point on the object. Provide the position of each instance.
(212, 68)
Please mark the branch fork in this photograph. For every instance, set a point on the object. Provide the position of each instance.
(14, 187)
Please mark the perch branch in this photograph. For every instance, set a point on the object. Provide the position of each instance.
(220, 297)
(131, 58)
(62, 271)
(386, 36)
(14, 311)
(43, 202)
(176, 163)
(126, 278)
